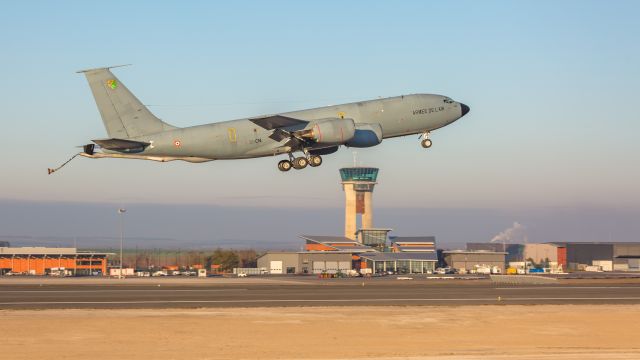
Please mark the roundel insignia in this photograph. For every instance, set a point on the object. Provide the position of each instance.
(341, 114)
(113, 84)
(177, 143)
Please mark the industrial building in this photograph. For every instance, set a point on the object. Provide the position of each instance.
(472, 261)
(620, 256)
(546, 252)
(44, 261)
(572, 256)
(515, 252)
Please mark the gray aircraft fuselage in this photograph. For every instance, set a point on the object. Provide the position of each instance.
(238, 139)
(135, 133)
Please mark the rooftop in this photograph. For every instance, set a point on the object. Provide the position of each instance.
(337, 242)
(474, 252)
(389, 256)
(412, 239)
(365, 174)
(36, 251)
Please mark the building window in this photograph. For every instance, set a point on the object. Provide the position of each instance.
(402, 266)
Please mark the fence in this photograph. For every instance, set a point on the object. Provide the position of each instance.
(250, 271)
(521, 279)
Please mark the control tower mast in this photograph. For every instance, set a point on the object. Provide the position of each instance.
(358, 183)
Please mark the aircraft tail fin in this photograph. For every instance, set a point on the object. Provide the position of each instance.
(123, 115)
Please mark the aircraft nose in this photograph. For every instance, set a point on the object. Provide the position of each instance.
(465, 109)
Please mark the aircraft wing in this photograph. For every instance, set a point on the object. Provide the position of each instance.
(279, 122)
(283, 127)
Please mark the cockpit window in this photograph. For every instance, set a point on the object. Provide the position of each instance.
(448, 101)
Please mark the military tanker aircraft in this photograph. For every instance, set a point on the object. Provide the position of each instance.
(135, 133)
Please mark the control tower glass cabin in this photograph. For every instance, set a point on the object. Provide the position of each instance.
(358, 183)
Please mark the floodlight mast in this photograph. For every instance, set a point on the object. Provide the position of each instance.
(121, 211)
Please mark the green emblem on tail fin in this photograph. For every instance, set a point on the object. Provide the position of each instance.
(113, 84)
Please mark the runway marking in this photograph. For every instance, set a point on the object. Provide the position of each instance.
(124, 290)
(491, 299)
(567, 287)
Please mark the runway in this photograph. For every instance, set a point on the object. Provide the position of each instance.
(310, 292)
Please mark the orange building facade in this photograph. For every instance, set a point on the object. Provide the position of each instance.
(41, 261)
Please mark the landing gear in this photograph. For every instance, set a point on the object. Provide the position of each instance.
(315, 160)
(300, 163)
(285, 165)
(426, 142)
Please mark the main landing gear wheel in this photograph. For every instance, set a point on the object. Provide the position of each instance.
(300, 163)
(315, 160)
(426, 143)
(285, 165)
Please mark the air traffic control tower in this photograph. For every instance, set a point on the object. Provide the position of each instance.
(358, 183)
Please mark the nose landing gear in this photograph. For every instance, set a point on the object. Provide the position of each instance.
(426, 142)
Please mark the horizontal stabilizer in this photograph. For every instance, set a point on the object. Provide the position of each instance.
(279, 122)
(122, 145)
(101, 68)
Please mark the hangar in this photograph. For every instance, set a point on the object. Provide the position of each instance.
(622, 256)
(469, 261)
(43, 261)
(306, 262)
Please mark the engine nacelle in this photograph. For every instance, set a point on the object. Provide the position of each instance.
(366, 135)
(330, 131)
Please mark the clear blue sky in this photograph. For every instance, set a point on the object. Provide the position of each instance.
(552, 85)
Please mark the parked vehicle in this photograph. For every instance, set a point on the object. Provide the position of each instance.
(445, 270)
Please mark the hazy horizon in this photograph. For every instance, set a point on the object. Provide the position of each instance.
(550, 140)
(96, 225)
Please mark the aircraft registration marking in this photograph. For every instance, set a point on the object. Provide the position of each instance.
(428, 111)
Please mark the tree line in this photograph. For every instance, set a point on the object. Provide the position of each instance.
(158, 258)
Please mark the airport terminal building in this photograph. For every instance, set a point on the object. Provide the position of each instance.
(372, 253)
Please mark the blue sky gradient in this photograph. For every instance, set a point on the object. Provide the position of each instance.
(552, 87)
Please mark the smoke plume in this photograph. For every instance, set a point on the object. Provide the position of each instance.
(514, 234)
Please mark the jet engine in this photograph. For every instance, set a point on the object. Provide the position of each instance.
(366, 135)
(330, 131)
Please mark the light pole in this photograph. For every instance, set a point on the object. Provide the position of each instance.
(121, 211)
